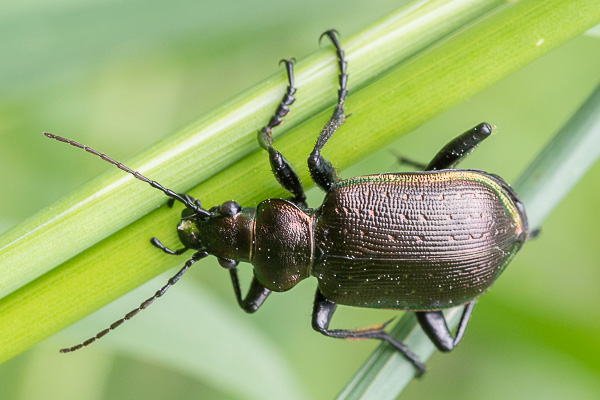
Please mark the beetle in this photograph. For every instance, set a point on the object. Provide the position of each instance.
(420, 241)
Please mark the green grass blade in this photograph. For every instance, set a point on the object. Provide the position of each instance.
(543, 184)
(216, 345)
(562, 163)
(405, 97)
(216, 141)
(114, 200)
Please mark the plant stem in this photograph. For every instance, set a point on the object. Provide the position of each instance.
(79, 270)
(219, 139)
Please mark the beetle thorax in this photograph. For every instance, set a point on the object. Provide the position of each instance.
(282, 250)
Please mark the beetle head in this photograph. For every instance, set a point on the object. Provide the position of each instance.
(225, 232)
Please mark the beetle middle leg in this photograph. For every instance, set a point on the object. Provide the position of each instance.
(323, 312)
(322, 171)
(435, 326)
(256, 296)
(281, 167)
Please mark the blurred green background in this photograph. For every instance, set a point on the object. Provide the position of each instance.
(119, 75)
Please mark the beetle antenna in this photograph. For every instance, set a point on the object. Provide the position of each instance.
(183, 199)
(197, 256)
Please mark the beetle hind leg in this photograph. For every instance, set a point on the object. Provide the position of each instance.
(323, 312)
(281, 167)
(460, 147)
(410, 162)
(435, 326)
(453, 152)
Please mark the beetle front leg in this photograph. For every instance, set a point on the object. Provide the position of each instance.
(281, 167)
(435, 326)
(157, 243)
(323, 312)
(257, 294)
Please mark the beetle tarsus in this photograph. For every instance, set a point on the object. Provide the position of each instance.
(534, 233)
(157, 243)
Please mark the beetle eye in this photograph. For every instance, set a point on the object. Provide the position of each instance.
(230, 208)
(214, 210)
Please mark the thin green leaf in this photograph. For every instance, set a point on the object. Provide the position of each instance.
(217, 140)
(407, 96)
(562, 163)
(61, 233)
(206, 339)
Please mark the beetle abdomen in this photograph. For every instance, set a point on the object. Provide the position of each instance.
(416, 241)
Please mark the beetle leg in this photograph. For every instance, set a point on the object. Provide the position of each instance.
(457, 149)
(323, 312)
(157, 243)
(434, 325)
(410, 162)
(453, 152)
(281, 167)
(322, 171)
(534, 233)
(257, 294)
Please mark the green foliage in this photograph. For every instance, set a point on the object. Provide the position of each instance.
(154, 53)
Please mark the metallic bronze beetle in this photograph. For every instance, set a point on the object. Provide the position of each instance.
(421, 241)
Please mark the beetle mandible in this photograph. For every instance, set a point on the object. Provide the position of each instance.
(421, 241)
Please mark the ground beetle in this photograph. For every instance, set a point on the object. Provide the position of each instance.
(420, 241)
